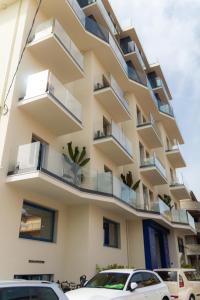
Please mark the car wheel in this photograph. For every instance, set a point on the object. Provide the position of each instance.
(192, 298)
(165, 298)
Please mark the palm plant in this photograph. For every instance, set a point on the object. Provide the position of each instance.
(76, 159)
(128, 180)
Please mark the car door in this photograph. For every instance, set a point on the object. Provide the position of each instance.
(148, 287)
(140, 293)
(153, 286)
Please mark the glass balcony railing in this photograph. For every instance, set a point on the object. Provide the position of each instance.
(158, 83)
(109, 81)
(177, 182)
(78, 11)
(131, 47)
(53, 27)
(183, 217)
(162, 208)
(45, 82)
(165, 108)
(151, 122)
(41, 157)
(173, 147)
(101, 32)
(154, 162)
(84, 3)
(113, 130)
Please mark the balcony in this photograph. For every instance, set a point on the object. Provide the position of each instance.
(51, 104)
(183, 217)
(175, 157)
(162, 208)
(38, 168)
(110, 139)
(54, 50)
(153, 170)
(97, 9)
(132, 53)
(111, 96)
(179, 190)
(150, 133)
(197, 227)
(166, 116)
(159, 88)
(190, 205)
(192, 249)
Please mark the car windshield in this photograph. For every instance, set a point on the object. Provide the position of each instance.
(170, 276)
(192, 275)
(113, 281)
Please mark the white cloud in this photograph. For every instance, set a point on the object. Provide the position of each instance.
(170, 33)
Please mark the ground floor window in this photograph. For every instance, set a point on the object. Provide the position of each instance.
(111, 233)
(42, 277)
(37, 222)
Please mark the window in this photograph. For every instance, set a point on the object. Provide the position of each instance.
(192, 275)
(150, 279)
(41, 277)
(40, 293)
(111, 233)
(27, 293)
(170, 276)
(114, 281)
(181, 245)
(137, 278)
(15, 293)
(144, 279)
(37, 223)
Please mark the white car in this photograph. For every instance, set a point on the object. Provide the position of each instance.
(183, 284)
(29, 290)
(122, 284)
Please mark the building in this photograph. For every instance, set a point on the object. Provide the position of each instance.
(192, 242)
(84, 79)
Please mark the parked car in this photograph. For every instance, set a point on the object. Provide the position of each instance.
(183, 284)
(29, 290)
(122, 284)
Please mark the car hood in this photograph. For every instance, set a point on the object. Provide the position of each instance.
(94, 294)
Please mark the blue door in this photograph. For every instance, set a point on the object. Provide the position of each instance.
(156, 245)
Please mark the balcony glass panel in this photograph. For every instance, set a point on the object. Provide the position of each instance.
(45, 82)
(160, 206)
(154, 162)
(109, 81)
(180, 216)
(37, 156)
(132, 47)
(78, 11)
(113, 130)
(95, 28)
(53, 27)
(191, 221)
(151, 122)
(165, 108)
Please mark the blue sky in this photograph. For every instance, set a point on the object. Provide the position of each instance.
(170, 34)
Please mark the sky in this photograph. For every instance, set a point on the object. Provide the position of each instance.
(169, 31)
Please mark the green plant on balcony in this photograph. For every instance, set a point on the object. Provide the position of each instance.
(128, 180)
(110, 267)
(167, 200)
(76, 159)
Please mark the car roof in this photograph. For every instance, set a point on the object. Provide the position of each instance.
(19, 282)
(174, 269)
(125, 271)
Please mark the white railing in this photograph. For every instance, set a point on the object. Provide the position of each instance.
(45, 82)
(53, 27)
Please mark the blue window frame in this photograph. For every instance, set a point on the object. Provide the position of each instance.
(111, 233)
(37, 223)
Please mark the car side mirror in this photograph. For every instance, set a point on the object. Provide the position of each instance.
(133, 286)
